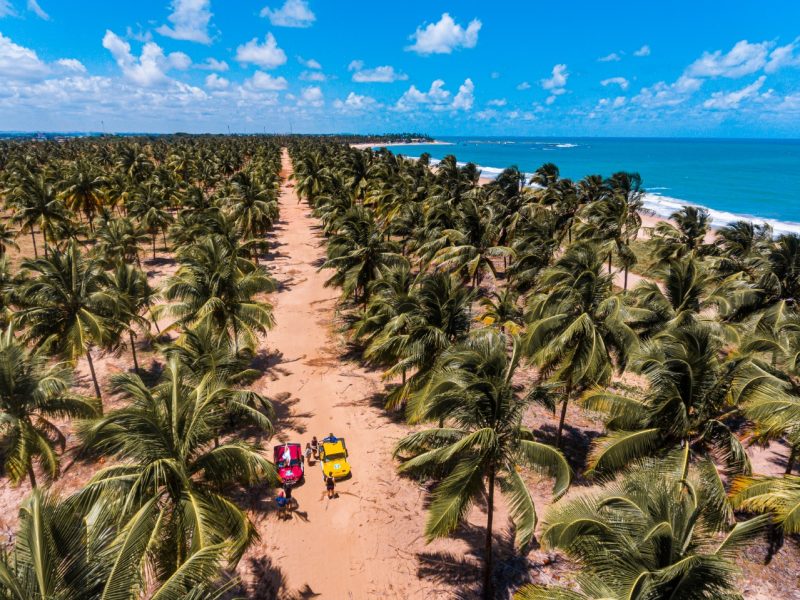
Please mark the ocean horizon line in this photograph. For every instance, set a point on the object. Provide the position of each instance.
(443, 137)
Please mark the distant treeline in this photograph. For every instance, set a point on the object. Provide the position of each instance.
(345, 138)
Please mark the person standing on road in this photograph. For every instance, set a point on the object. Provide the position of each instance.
(330, 486)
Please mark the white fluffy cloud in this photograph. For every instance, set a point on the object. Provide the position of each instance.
(382, 74)
(558, 78)
(71, 64)
(293, 13)
(524, 86)
(6, 10)
(267, 55)
(313, 76)
(190, 19)
(444, 36)
(465, 97)
(23, 64)
(497, 102)
(34, 7)
(613, 57)
(643, 51)
(743, 59)
(311, 96)
(215, 82)
(611, 102)
(355, 103)
(438, 98)
(150, 68)
(729, 100)
(265, 81)
(663, 94)
(783, 56)
(309, 64)
(620, 81)
(18, 62)
(212, 64)
(556, 83)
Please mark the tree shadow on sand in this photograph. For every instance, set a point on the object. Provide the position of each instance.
(269, 583)
(512, 569)
(288, 421)
(575, 444)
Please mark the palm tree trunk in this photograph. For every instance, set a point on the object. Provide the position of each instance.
(153, 318)
(32, 477)
(609, 263)
(625, 285)
(488, 567)
(563, 417)
(790, 461)
(133, 351)
(94, 375)
(154, 246)
(33, 239)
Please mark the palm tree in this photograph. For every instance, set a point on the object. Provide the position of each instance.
(390, 296)
(310, 176)
(206, 354)
(356, 252)
(32, 393)
(482, 443)
(743, 247)
(253, 207)
(173, 475)
(616, 216)
(149, 207)
(685, 237)
(35, 203)
(83, 190)
(652, 534)
(576, 330)
(470, 247)
(501, 309)
(691, 402)
(118, 241)
(778, 496)
(784, 261)
(684, 290)
(62, 551)
(6, 240)
(66, 306)
(435, 316)
(213, 285)
(546, 175)
(132, 294)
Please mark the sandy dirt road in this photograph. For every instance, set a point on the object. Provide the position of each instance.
(364, 543)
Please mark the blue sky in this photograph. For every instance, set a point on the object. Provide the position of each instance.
(699, 68)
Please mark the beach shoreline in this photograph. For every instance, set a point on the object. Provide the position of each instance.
(663, 206)
(364, 146)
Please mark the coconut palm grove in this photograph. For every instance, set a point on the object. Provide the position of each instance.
(549, 399)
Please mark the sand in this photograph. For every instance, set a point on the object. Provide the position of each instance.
(364, 146)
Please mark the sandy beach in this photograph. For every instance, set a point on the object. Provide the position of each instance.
(393, 144)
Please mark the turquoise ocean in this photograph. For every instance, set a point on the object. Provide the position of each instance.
(756, 180)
